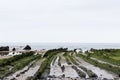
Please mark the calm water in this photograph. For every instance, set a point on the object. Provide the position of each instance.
(84, 46)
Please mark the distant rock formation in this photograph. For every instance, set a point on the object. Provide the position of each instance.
(5, 48)
(13, 49)
(27, 47)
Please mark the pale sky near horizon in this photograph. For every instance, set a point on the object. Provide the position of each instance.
(84, 21)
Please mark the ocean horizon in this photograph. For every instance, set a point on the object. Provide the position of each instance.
(84, 46)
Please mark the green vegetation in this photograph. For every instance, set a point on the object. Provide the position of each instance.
(67, 58)
(101, 65)
(70, 58)
(108, 55)
(116, 58)
(54, 51)
(11, 65)
(4, 62)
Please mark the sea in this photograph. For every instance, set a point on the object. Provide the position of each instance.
(47, 46)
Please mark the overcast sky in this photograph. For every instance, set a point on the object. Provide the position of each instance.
(84, 21)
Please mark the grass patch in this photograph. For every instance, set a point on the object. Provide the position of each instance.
(22, 62)
(109, 60)
(108, 55)
(116, 57)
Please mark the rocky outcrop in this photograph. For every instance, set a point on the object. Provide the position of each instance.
(6, 48)
(27, 47)
(13, 49)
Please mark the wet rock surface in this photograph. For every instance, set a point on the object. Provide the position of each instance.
(61, 68)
